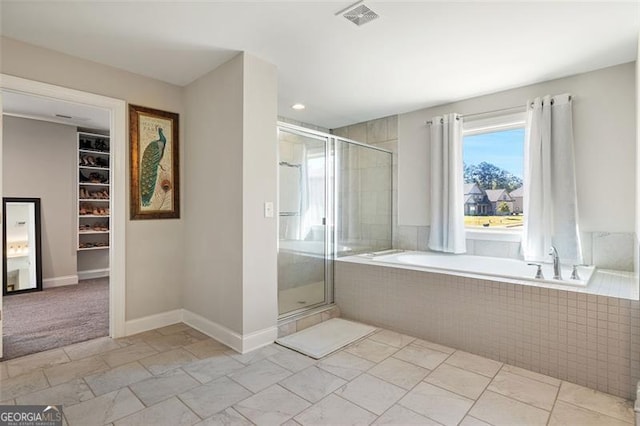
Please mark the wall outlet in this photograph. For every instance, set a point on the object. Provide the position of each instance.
(268, 209)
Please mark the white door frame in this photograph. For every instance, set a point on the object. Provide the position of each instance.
(117, 110)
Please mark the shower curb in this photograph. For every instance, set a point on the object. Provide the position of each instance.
(316, 316)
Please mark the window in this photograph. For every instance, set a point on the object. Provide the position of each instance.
(493, 156)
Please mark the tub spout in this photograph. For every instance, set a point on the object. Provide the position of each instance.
(539, 275)
(557, 272)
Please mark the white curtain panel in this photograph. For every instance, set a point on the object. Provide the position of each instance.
(447, 194)
(550, 196)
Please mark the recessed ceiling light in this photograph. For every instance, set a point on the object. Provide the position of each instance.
(298, 107)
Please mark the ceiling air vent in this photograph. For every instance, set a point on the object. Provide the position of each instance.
(360, 14)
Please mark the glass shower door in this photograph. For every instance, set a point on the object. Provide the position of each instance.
(303, 238)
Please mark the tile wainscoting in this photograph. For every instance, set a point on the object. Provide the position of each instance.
(589, 340)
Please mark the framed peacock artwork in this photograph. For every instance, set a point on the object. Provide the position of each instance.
(155, 173)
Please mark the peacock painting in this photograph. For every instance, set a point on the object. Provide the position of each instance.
(155, 174)
(149, 166)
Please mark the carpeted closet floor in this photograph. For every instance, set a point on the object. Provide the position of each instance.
(55, 317)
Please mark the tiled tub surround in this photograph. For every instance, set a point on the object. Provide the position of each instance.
(177, 376)
(608, 250)
(510, 270)
(582, 338)
(596, 281)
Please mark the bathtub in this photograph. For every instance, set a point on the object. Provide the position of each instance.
(479, 266)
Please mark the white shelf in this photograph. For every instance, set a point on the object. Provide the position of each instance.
(106, 169)
(93, 184)
(85, 150)
(88, 151)
(92, 248)
(97, 135)
(17, 255)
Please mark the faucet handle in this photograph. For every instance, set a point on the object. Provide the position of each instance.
(574, 273)
(539, 275)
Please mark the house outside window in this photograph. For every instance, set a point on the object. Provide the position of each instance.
(493, 155)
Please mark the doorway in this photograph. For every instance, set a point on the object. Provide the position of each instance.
(116, 110)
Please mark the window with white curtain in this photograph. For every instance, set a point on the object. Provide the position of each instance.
(493, 157)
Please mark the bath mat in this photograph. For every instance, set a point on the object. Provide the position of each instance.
(326, 337)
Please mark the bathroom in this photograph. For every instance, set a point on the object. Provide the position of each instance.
(198, 305)
(557, 328)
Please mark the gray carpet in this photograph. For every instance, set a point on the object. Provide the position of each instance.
(55, 317)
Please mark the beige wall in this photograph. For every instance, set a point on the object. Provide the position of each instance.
(230, 248)
(259, 185)
(604, 132)
(155, 269)
(40, 162)
(213, 196)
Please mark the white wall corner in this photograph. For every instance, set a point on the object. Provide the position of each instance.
(214, 330)
(258, 339)
(60, 281)
(91, 274)
(151, 322)
(237, 342)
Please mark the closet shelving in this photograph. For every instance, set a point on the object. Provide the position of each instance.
(94, 191)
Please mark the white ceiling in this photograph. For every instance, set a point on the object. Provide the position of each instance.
(417, 54)
(40, 108)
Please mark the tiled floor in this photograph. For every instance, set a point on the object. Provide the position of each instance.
(178, 376)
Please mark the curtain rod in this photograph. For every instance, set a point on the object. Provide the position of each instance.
(496, 110)
(486, 112)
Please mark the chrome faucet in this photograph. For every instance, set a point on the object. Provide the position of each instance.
(557, 272)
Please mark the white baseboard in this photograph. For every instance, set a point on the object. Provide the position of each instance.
(59, 281)
(219, 332)
(151, 322)
(237, 342)
(258, 339)
(91, 274)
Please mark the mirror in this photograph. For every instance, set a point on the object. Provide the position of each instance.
(21, 245)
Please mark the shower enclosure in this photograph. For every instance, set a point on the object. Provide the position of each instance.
(334, 199)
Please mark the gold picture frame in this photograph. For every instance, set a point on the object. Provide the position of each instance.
(155, 166)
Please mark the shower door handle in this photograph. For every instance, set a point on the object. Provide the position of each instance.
(324, 220)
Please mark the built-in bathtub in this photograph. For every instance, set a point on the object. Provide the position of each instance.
(481, 267)
(582, 334)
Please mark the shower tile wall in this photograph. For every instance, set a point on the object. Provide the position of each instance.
(585, 339)
(364, 172)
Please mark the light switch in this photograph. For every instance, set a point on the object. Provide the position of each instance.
(268, 209)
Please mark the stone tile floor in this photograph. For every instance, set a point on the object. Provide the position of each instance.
(178, 376)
